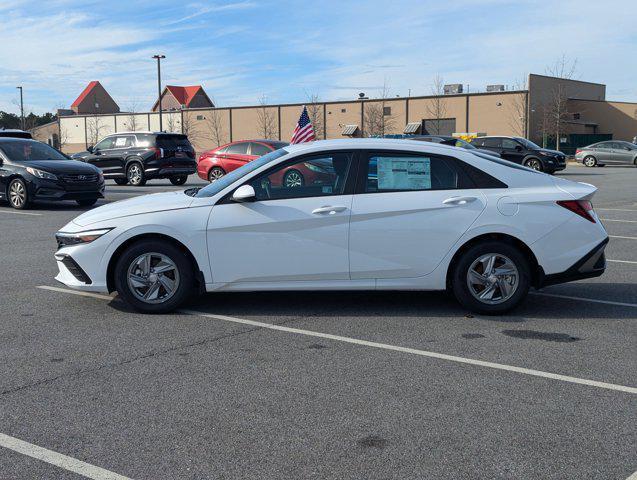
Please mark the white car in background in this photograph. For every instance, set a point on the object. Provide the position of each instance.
(370, 214)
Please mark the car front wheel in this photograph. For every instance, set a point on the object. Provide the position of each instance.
(135, 174)
(18, 194)
(154, 276)
(491, 278)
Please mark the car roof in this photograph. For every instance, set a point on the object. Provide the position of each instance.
(369, 143)
(17, 139)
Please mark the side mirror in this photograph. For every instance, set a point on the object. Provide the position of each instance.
(245, 193)
(89, 149)
(518, 148)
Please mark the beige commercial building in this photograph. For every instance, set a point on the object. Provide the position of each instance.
(580, 108)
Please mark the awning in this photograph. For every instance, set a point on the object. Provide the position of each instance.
(413, 127)
(349, 130)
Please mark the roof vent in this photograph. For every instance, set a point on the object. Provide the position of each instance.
(453, 88)
(495, 88)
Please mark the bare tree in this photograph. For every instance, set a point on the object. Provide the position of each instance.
(132, 122)
(437, 106)
(64, 137)
(555, 106)
(190, 127)
(315, 112)
(377, 115)
(266, 123)
(214, 126)
(94, 129)
(518, 113)
(172, 122)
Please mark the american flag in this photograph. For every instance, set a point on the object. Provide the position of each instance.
(304, 132)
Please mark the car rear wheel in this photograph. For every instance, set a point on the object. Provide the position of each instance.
(215, 173)
(491, 278)
(18, 194)
(87, 203)
(293, 178)
(179, 180)
(121, 181)
(135, 174)
(590, 161)
(533, 163)
(154, 276)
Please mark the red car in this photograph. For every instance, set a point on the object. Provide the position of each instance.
(214, 164)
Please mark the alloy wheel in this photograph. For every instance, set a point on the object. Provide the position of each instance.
(215, 174)
(534, 164)
(589, 161)
(493, 278)
(17, 194)
(153, 278)
(135, 174)
(293, 179)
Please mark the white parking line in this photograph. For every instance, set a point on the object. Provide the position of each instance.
(395, 348)
(21, 213)
(59, 460)
(76, 292)
(620, 261)
(633, 476)
(615, 220)
(617, 209)
(584, 299)
(621, 236)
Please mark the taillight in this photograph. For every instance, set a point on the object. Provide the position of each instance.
(158, 153)
(578, 151)
(580, 207)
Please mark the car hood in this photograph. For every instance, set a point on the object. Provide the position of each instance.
(62, 166)
(551, 152)
(157, 202)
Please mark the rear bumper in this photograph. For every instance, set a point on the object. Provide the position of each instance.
(167, 169)
(591, 265)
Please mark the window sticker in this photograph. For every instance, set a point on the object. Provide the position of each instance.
(120, 141)
(401, 173)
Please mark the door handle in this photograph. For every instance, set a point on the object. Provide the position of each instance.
(459, 200)
(328, 209)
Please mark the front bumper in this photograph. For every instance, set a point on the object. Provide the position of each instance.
(591, 265)
(42, 189)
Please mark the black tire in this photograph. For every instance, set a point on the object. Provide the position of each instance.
(534, 163)
(589, 161)
(215, 173)
(121, 181)
(185, 268)
(180, 180)
(87, 202)
(135, 174)
(460, 275)
(293, 178)
(18, 194)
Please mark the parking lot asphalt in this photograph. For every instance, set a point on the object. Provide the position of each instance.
(318, 385)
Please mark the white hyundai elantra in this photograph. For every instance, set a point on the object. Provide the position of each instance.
(363, 214)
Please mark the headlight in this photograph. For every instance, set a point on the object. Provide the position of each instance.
(65, 239)
(41, 173)
(100, 177)
(547, 154)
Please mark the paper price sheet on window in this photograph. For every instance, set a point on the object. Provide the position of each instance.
(400, 173)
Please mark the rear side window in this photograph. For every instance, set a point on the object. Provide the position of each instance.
(259, 149)
(396, 172)
(238, 149)
(172, 141)
(492, 142)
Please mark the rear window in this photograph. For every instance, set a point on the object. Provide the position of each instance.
(172, 141)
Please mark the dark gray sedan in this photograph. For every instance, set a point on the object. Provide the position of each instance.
(611, 152)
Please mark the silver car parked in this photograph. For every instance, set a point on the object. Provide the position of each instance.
(612, 152)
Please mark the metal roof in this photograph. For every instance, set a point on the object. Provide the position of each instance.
(412, 127)
(349, 129)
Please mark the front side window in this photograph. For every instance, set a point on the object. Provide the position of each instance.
(238, 149)
(492, 142)
(402, 172)
(311, 176)
(105, 144)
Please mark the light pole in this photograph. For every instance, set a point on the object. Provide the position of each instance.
(21, 109)
(159, 57)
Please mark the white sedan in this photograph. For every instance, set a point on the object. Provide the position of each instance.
(361, 214)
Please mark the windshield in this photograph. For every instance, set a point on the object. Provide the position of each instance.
(29, 150)
(218, 185)
(527, 143)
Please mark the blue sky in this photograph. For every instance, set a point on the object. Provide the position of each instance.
(242, 51)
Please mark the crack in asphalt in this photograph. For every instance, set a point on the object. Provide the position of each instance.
(156, 353)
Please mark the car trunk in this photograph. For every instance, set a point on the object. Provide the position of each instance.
(177, 148)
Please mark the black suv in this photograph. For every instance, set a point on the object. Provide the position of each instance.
(136, 157)
(523, 151)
